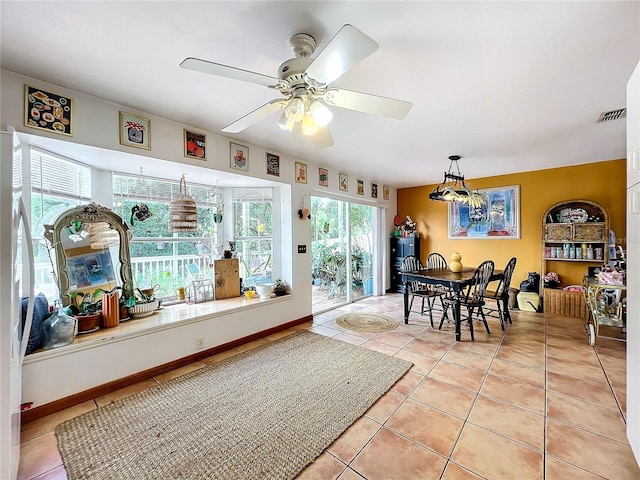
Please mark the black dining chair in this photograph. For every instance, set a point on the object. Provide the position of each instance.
(437, 261)
(472, 297)
(501, 295)
(418, 289)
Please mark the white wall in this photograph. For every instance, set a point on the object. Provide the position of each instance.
(96, 125)
(633, 262)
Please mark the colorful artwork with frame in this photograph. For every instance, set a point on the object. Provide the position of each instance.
(374, 190)
(497, 217)
(48, 111)
(301, 172)
(385, 192)
(323, 177)
(135, 131)
(91, 270)
(195, 145)
(343, 181)
(239, 156)
(360, 188)
(273, 164)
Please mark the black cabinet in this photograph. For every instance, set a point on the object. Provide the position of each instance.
(400, 248)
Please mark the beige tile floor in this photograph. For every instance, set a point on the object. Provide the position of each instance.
(535, 403)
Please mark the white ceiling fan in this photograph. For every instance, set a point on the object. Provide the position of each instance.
(305, 82)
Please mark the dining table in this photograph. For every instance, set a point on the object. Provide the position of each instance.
(455, 281)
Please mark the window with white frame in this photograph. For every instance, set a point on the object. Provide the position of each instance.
(253, 233)
(57, 183)
(159, 257)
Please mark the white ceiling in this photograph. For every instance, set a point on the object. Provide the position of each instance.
(511, 86)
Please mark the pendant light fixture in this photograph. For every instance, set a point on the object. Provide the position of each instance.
(183, 216)
(102, 236)
(454, 188)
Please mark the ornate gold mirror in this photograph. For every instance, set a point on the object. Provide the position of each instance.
(91, 244)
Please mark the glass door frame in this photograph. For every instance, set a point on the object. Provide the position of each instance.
(377, 217)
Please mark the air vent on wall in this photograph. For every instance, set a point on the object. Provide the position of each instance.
(612, 115)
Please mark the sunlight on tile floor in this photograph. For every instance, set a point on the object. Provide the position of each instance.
(535, 403)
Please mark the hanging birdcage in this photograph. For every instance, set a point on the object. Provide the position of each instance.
(183, 216)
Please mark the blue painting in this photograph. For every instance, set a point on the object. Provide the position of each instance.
(497, 217)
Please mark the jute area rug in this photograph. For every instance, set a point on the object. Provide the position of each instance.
(263, 414)
(366, 322)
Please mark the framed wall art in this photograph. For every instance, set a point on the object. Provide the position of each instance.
(385, 192)
(497, 217)
(301, 172)
(48, 111)
(323, 177)
(135, 131)
(360, 186)
(273, 164)
(374, 190)
(343, 181)
(195, 145)
(239, 157)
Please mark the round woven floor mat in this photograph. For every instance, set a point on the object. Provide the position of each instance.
(366, 322)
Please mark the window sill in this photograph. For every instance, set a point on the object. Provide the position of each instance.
(165, 318)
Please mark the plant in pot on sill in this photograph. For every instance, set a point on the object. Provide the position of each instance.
(89, 310)
(125, 304)
(144, 302)
(280, 287)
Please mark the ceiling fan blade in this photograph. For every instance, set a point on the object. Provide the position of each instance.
(255, 116)
(367, 103)
(212, 68)
(323, 138)
(347, 48)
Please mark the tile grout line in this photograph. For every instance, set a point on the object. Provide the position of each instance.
(611, 387)
(466, 419)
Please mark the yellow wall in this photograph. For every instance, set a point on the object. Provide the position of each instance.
(602, 182)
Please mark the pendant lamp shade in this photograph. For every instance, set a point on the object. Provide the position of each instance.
(102, 236)
(183, 216)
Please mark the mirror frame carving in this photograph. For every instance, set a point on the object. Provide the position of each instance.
(91, 213)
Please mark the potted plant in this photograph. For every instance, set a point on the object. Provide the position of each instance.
(217, 198)
(89, 310)
(125, 303)
(551, 280)
(280, 287)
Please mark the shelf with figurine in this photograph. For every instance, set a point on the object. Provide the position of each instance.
(404, 228)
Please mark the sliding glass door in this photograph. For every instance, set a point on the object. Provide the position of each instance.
(342, 252)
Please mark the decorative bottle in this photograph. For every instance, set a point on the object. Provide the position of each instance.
(58, 329)
(456, 262)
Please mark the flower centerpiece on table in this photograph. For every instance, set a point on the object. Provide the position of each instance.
(551, 280)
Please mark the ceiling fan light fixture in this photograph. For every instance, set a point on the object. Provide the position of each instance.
(309, 126)
(295, 109)
(321, 114)
(307, 78)
(285, 123)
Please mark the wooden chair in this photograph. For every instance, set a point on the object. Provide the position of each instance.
(501, 295)
(473, 296)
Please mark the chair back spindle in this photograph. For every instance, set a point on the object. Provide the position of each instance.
(436, 261)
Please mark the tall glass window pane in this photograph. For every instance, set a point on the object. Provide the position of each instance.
(57, 184)
(253, 229)
(158, 256)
